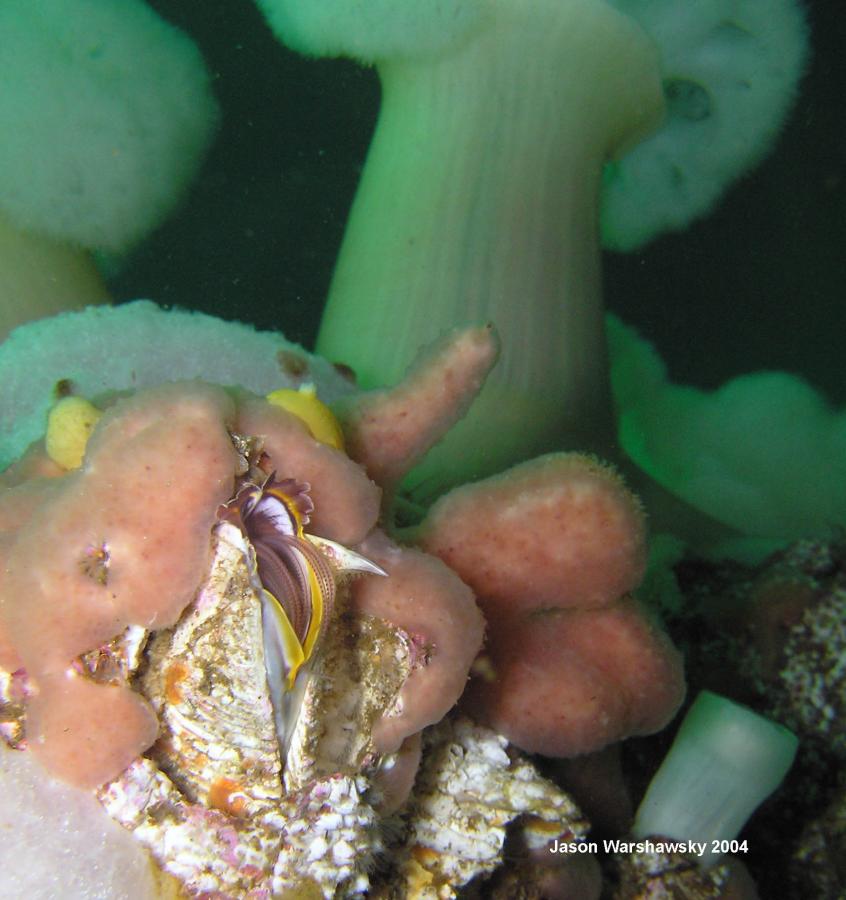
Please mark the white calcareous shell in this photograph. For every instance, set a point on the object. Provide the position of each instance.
(469, 789)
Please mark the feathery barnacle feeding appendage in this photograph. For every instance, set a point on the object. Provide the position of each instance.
(294, 577)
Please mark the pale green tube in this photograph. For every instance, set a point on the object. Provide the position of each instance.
(726, 760)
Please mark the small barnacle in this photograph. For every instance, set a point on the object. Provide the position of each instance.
(249, 449)
(114, 661)
(95, 562)
(419, 651)
(14, 691)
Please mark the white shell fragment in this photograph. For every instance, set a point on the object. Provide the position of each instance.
(354, 682)
(305, 837)
(468, 790)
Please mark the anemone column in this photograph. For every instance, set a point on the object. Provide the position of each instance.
(479, 202)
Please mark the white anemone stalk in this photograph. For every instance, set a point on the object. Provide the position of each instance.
(479, 202)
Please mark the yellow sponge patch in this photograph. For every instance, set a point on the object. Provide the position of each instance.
(304, 404)
(69, 425)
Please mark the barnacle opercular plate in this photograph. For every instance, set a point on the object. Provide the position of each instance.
(206, 680)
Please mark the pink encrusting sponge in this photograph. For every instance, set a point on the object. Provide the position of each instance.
(122, 540)
(346, 501)
(439, 614)
(552, 549)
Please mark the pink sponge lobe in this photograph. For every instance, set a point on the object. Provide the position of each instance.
(86, 733)
(552, 548)
(438, 612)
(558, 531)
(123, 540)
(389, 431)
(569, 682)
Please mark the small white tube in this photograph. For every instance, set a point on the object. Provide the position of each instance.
(726, 760)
